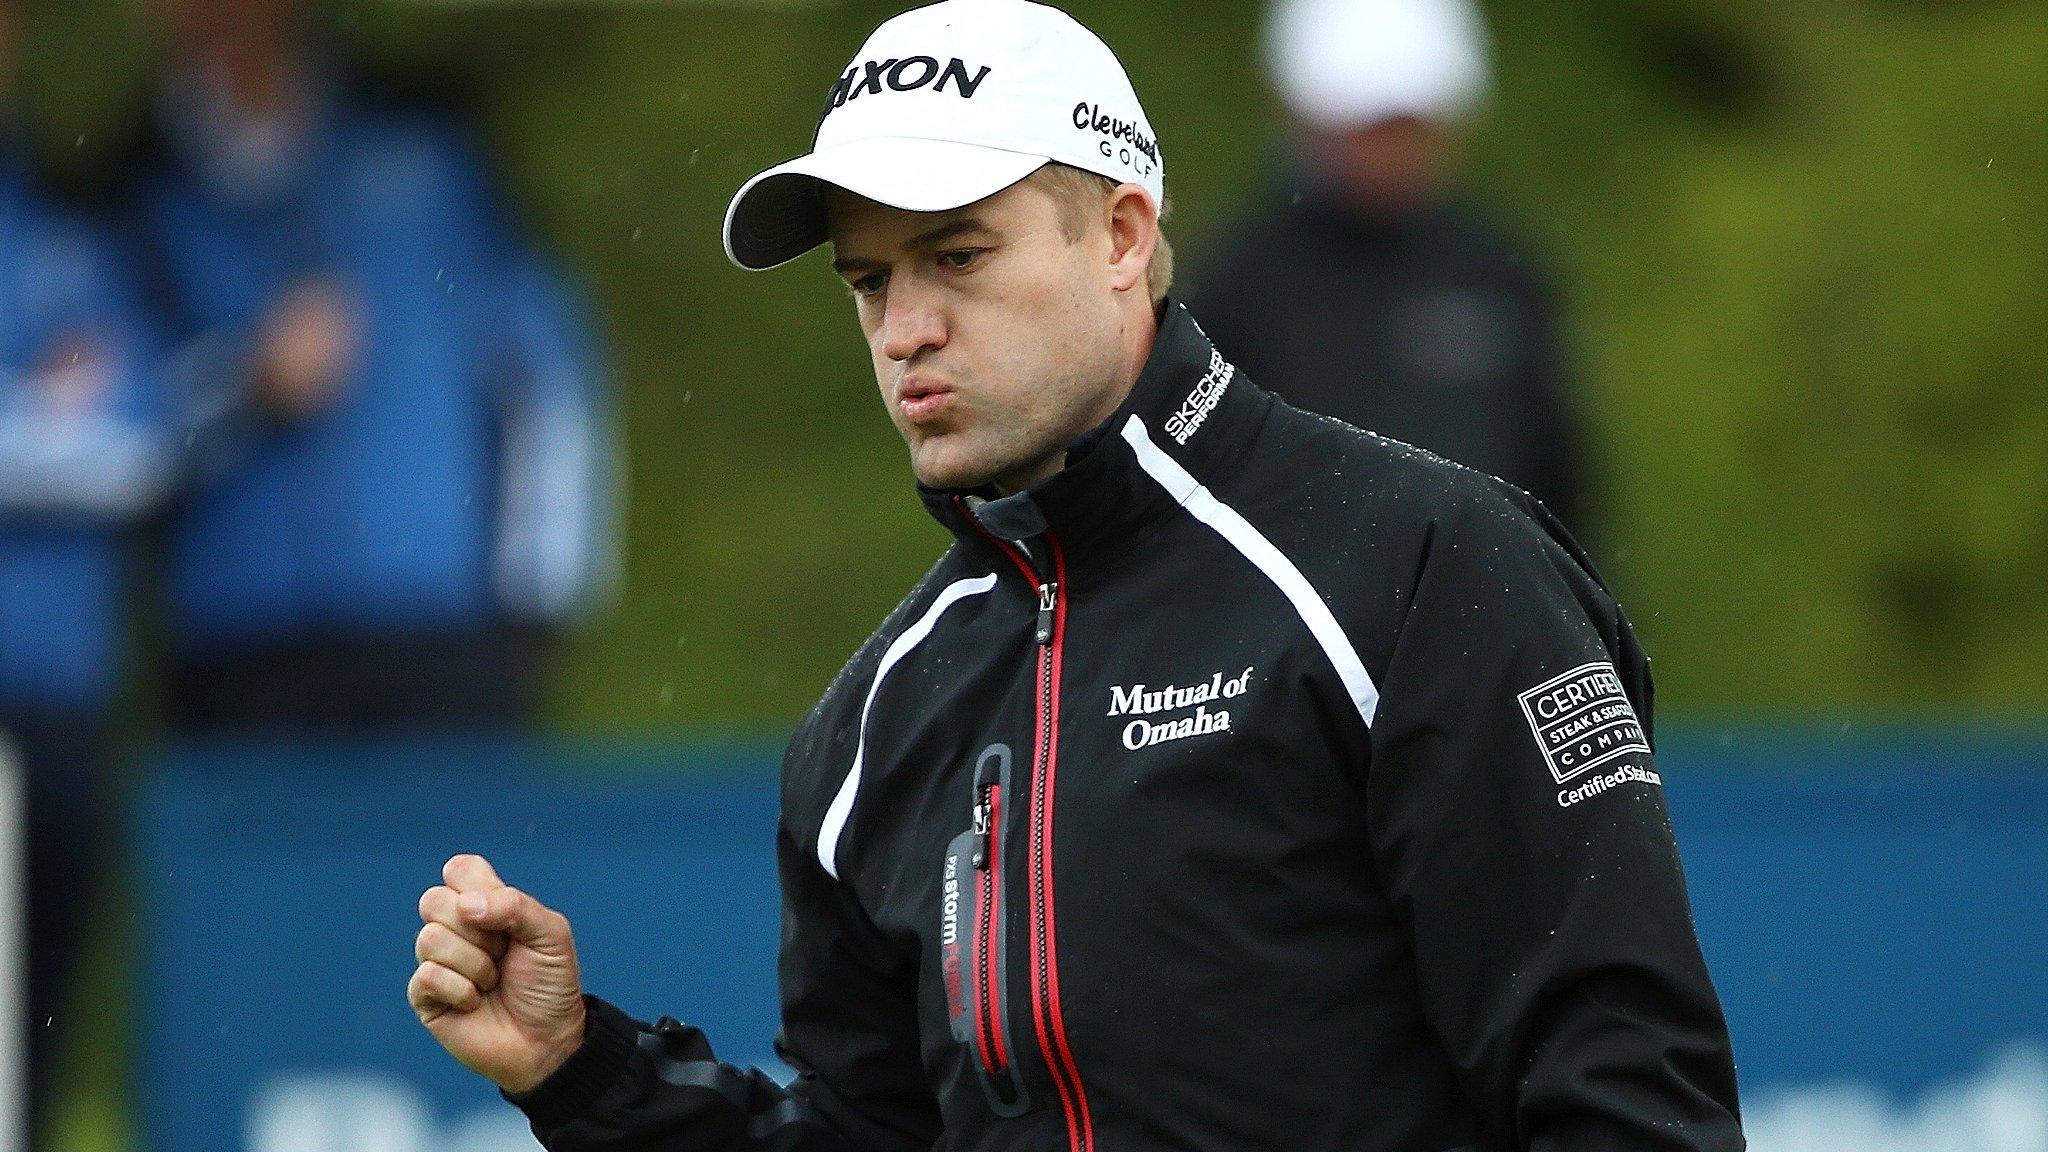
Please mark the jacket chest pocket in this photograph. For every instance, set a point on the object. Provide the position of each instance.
(973, 938)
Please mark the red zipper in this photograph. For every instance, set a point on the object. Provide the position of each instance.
(1047, 1012)
(994, 1057)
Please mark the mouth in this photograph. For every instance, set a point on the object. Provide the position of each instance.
(920, 399)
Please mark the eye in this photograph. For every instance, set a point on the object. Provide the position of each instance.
(869, 284)
(959, 258)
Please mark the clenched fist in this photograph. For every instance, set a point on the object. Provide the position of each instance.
(497, 983)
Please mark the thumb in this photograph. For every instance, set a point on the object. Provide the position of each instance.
(517, 915)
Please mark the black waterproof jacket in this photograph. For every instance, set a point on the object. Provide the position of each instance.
(1255, 782)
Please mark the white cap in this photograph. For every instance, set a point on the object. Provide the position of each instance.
(947, 105)
(1344, 63)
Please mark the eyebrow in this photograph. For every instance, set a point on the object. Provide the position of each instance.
(923, 241)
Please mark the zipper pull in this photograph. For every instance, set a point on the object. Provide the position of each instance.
(1048, 599)
(983, 808)
(988, 774)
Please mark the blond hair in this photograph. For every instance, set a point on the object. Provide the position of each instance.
(1079, 193)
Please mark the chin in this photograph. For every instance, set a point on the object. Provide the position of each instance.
(936, 468)
(951, 478)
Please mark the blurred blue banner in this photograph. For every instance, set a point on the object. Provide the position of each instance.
(1872, 905)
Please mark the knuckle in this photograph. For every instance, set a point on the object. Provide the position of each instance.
(448, 984)
(459, 955)
(435, 902)
(435, 941)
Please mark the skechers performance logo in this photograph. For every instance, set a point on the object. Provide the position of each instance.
(1202, 400)
(1582, 720)
(1141, 701)
(905, 74)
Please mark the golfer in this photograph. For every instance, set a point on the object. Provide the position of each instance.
(1238, 779)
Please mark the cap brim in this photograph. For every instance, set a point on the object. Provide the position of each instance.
(780, 214)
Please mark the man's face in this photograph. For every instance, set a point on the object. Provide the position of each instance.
(1395, 165)
(995, 339)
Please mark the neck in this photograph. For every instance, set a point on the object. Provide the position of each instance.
(1140, 331)
(1137, 328)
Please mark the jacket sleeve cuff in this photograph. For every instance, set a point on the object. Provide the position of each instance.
(609, 1038)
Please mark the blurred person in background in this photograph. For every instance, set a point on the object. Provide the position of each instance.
(414, 483)
(84, 451)
(1365, 286)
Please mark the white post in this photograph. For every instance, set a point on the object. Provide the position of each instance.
(13, 952)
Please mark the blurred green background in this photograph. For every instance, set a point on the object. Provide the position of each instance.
(1805, 247)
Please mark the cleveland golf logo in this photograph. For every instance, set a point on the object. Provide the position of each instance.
(908, 74)
(1123, 140)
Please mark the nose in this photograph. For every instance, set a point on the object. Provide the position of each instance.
(913, 320)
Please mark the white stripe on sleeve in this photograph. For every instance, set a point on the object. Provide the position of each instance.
(842, 803)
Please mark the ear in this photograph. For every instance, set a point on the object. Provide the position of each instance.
(1133, 236)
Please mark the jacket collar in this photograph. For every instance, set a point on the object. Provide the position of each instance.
(1189, 402)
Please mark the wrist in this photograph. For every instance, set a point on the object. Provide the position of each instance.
(555, 1055)
(597, 1066)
